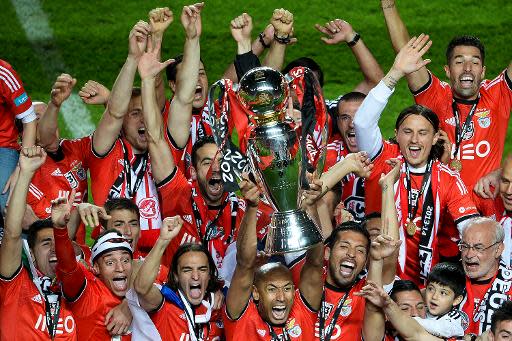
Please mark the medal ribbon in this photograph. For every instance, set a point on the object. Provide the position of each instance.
(325, 334)
(128, 171)
(460, 131)
(413, 209)
(275, 337)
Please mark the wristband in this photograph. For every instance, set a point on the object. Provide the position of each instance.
(355, 40)
(262, 41)
(282, 40)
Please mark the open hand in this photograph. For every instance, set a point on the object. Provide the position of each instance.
(336, 31)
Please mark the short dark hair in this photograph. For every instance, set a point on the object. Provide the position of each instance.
(348, 226)
(306, 62)
(117, 204)
(213, 285)
(403, 285)
(429, 115)
(34, 229)
(172, 69)
(353, 96)
(503, 313)
(464, 40)
(450, 275)
(372, 215)
(207, 139)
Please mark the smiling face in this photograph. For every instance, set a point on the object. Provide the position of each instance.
(440, 298)
(345, 122)
(134, 129)
(192, 276)
(43, 252)
(411, 302)
(275, 294)
(114, 269)
(416, 136)
(481, 265)
(347, 258)
(505, 184)
(465, 71)
(127, 223)
(210, 185)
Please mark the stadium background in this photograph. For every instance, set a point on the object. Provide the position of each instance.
(88, 39)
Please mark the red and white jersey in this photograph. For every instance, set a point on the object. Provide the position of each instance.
(350, 320)
(23, 313)
(250, 325)
(352, 194)
(199, 127)
(62, 172)
(177, 196)
(105, 171)
(14, 103)
(450, 197)
(481, 148)
(171, 323)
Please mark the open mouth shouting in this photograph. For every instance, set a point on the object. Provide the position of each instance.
(351, 138)
(195, 292)
(142, 133)
(414, 151)
(279, 312)
(215, 186)
(199, 93)
(466, 81)
(120, 283)
(347, 268)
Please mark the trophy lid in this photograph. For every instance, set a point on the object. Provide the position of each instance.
(264, 92)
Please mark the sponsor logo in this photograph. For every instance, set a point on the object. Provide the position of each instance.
(469, 150)
(37, 298)
(450, 121)
(57, 172)
(73, 182)
(261, 332)
(21, 99)
(187, 218)
(147, 207)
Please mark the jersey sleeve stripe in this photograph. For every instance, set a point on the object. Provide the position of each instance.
(508, 80)
(13, 276)
(424, 87)
(9, 85)
(10, 78)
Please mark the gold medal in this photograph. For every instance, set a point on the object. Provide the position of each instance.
(411, 228)
(456, 165)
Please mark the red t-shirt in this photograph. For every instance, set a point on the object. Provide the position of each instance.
(177, 195)
(350, 320)
(352, 194)
(105, 183)
(250, 325)
(59, 175)
(171, 323)
(450, 197)
(198, 128)
(23, 314)
(14, 103)
(481, 148)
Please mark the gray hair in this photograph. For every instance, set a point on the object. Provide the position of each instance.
(499, 233)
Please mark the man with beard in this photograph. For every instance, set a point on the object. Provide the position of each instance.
(31, 307)
(488, 282)
(427, 191)
(474, 112)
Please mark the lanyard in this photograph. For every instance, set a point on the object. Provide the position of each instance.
(460, 131)
(128, 171)
(51, 319)
(325, 334)
(412, 209)
(275, 337)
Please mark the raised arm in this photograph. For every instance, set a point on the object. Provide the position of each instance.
(282, 21)
(111, 122)
(339, 31)
(366, 120)
(357, 163)
(399, 37)
(186, 77)
(162, 162)
(48, 124)
(10, 252)
(240, 290)
(149, 295)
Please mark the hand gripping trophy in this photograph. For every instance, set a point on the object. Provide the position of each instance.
(252, 129)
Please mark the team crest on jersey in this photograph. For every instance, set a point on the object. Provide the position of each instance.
(147, 207)
(484, 118)
(347, 308)
(293, 329)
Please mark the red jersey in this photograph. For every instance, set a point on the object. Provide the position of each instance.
(250, 325)
(62, 172)
(482, 145)
(171, 323)
(450, 197)
(23, 313)
(14, 103)
(352, 194)
(349, 323)
(181, 197)
(199, 127)
(483, 297)
(108, 180)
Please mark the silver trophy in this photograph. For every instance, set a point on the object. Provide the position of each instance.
(278, 158)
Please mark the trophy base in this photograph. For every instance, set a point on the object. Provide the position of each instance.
(291, 231)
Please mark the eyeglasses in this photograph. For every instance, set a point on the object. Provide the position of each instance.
(463, 247)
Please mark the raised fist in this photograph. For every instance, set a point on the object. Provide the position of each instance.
(191, 20)
(138, 39)
(171, 226)
(94, 93)
(62, 89)
(31, 158)
(241, 27)
(282, 20)
(160, 19)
